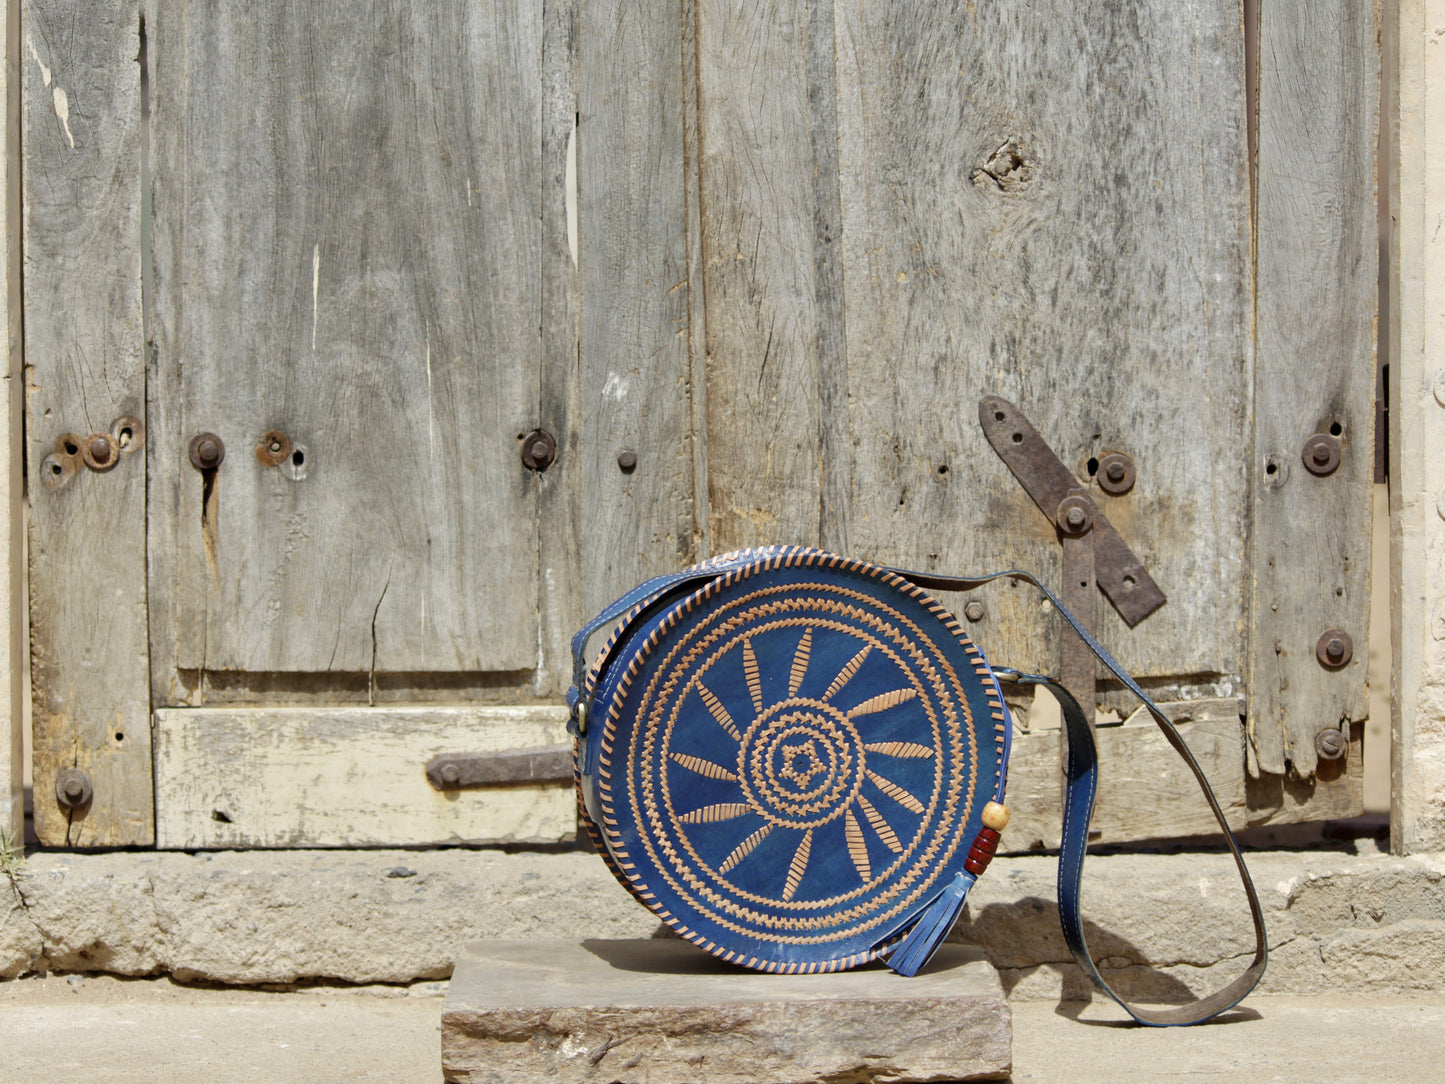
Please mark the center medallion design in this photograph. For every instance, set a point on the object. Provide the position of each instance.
(802, 765)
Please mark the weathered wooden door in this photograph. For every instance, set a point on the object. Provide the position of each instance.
(806, 241)
(342, 208)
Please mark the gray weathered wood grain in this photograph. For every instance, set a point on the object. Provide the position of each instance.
(635, 362)
(1315, 370)
(1050, 202)
(85, 365)
(559, 490)
(758, 181)
(348, 250)
(12, 459)
(348, 777)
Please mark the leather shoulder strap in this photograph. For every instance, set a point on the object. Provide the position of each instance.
(1082, 771)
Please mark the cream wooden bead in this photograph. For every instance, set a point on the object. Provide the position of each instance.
(995, 816)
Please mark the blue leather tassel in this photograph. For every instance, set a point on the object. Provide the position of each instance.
(932, 927)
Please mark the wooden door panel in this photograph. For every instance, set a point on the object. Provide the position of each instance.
(905, 207)
(349, 777)
(901, 207)
(346, 252)
(1051, 204)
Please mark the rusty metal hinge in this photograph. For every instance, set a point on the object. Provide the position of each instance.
(1094, 552)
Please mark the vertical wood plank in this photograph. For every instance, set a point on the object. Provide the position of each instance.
(1314, 371)
(559, 490)
(1417, 431)
(12, 451)
(348, 250)
(1050, 202)
(758, 181)
(84, 351)
(636, 376)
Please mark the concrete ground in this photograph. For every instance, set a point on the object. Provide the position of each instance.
(104, 1030)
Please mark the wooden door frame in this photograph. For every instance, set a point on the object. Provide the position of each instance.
(1415, 54)
(14, 632)
(1417, 430)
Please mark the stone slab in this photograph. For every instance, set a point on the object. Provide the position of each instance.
(664, 1012)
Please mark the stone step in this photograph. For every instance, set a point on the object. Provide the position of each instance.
(664, 1012)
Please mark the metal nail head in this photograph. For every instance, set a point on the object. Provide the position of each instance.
(1331, 744)
(1321, 454)
(207, 451)
(72, 788)
(1334, 648)
(100, 451)
(539, 450)
(1075, 515)
(1116, 474)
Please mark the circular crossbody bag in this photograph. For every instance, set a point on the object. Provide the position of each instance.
(798, 761)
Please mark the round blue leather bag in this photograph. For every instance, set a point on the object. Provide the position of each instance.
(785, 754)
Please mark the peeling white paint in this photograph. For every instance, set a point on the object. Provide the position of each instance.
(571, 188)
(315, 291)
(431, 429)
(58, 95)
(615, 387)
(44, 71)
(62, 110)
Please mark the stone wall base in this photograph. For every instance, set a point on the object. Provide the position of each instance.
(1159, 922)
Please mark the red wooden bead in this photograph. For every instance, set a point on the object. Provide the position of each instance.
(988, 834)
(975, 867)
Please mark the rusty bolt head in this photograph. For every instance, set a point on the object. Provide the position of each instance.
(1116, 474)
(539, 450)
(72, 788)
(1321, 454)
(273, 449)
(974, 611)
(207, 451)
(450, 773)
(100, 451)
(627, 461)
(1334, 648)
(1075, 515)
(1331, 744)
